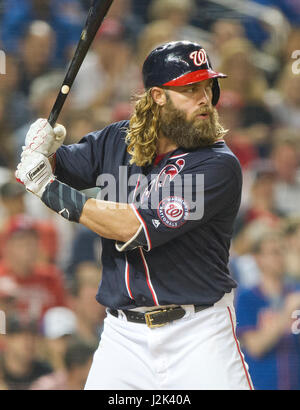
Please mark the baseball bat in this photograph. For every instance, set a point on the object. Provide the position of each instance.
(97, 12)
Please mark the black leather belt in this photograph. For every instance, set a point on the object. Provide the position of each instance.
(156, 318)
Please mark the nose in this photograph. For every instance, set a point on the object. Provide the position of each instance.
(203, 97)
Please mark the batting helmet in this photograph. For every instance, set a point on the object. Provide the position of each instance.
(180, 63)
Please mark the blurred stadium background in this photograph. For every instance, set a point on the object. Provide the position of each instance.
(50, 269)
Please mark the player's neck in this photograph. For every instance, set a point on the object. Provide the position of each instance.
(164, 145)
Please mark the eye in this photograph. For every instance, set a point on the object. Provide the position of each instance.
(209, 85)
(191, 90)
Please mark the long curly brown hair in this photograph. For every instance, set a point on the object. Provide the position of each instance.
(143, 129)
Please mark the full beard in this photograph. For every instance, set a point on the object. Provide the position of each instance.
(190, 134)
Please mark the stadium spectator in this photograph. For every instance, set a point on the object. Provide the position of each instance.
(6, 154)
(122, 10)
(261, 201)
(64, 16)
(19, 363)
(237, 61)
(89, 314)
(140, 8)
(77, 363)
(58, 326)
(109, 74)
(292, 246)
(285, 157)
(43, 93)
(13, 210)
(222, 31)
(258, 125)
(230, 107)
(284, 101)
(178, 13)
(264, 321)
(8, 299)
(154, 33)
(86, 247)
(243, 264)
(249, 82)
(39, 285)
(81, 122)
(290, 8)
(12, 200)
(36, 48)
(16, 109)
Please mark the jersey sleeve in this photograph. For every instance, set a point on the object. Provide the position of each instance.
(78, 165)
(176, 205)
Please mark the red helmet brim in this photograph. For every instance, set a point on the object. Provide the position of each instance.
(195, 77)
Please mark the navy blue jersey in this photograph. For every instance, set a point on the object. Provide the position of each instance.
(186, 204)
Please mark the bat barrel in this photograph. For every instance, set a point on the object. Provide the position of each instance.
(95, 17)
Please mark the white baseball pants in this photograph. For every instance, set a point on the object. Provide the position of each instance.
(199, 351)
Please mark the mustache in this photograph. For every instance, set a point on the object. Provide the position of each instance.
(203, 110)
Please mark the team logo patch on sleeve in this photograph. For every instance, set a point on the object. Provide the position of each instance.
(173, 211)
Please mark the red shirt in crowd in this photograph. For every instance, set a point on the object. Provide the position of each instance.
(38, 291)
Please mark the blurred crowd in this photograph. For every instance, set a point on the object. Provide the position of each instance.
(50, 269)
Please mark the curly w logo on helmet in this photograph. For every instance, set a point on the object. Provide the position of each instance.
(199, 57)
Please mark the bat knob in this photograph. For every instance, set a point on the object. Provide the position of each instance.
(60, 132)
(65, 89)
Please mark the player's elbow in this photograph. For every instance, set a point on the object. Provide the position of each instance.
(127, 232)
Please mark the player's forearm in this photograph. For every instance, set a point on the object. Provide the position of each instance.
(110, 219)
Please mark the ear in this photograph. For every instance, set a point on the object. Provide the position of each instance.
(159, 96)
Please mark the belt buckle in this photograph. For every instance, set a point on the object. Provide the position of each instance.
(149, 319)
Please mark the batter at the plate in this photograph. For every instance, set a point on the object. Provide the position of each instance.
(169, 294)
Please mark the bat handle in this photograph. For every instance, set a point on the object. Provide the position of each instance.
(64, 91)
(52, 118)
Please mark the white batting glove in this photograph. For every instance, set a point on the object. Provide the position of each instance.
(35, 172)
(44, 139)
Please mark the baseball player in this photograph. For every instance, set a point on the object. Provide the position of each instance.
(171, 191)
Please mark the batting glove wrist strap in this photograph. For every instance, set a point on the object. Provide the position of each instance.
(35, 172)
(64, 200)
